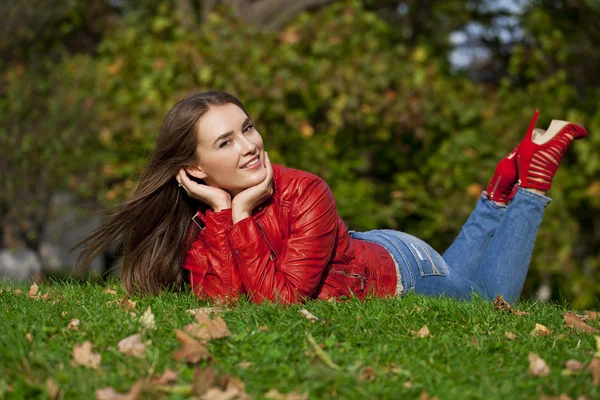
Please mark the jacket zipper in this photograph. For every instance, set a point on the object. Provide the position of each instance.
(273, 254)
(362, 278)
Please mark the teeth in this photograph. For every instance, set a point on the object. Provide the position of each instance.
(251, 164)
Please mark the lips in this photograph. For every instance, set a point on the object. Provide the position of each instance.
(253, 162)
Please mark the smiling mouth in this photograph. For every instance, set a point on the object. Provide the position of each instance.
(252, 163)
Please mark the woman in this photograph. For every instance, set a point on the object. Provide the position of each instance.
(210, 207)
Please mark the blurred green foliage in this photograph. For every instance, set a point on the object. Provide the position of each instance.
(403, 140)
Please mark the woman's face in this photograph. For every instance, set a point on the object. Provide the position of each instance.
(230, 150)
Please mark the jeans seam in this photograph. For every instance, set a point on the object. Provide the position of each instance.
(536, 196)
(400, 235)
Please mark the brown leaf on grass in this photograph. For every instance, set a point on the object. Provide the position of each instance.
(109, 290)
(263, 328)
(168, 376)
(592, 315)
(573, 366)
(424, 332)
(191, 350)
(51, 389)
(147, 319)
(510, 336)
(208, 387)
(28, 337)
(204, 379)
(573, 321)
(33, 292)
(127, 305)
(74, 324)
(366, 374)
(426, 396)
(474, 340)
(594, 369)
(18, 292)
(132, 346)
(46, 296)
(308, 315)
(83, 355)
(502, 305)
(274, 394)
(245, 364)
(208, 329)
(537, 365)
(108, 393)
(205, 310)
(540, 330)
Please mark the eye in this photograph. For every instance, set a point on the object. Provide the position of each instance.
(225, 143)
(249, 128)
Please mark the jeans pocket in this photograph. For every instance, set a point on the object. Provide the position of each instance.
(430, 262)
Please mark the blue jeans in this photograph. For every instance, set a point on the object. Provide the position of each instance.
(490, 256)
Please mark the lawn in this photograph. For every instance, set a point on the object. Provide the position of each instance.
(410, 347)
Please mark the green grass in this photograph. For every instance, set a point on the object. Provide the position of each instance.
(468, 355)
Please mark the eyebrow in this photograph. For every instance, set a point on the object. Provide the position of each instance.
(227, 134)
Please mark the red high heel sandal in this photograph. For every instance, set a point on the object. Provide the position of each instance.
(542, 151)
(501, 188)
(535, 160)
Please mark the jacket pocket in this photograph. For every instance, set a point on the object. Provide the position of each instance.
(353, 281)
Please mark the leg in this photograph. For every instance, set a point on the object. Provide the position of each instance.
(506, 260)
(465, 254)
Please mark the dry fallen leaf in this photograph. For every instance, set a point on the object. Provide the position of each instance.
(407, 385)
(132, 346)
(207, 329)
(168, 376)
(573, 365)
(28, 337)
(502, 305)
(592, 315)
(74, 324)
(308, 315)
(191, 350)
(424, 332)
(205, 310)
(46, 296)
(109, 393)
(204, 379)
(109, 290)
(245, 364)
(33, 292)
(18, 292)
(426, 396)
(83, 355)
(274, 394)
(147, 319)
(263, 328)
(366, 374)
(594, 369)
(537, 365)
(127, 305)
(51, 389)
(540, 330)
(474, 340)
(510, 336)
(573, 321)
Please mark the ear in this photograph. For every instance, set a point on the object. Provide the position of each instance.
(196, 171)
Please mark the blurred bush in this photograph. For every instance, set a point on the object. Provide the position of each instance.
(403, 141)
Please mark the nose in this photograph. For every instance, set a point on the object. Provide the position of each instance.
(247, 146)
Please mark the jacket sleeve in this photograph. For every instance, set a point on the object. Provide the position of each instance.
(209, 258)
(296, 273)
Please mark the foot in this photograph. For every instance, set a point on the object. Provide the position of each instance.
(542, 151)
(502, 186)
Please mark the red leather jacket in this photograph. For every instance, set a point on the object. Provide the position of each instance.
(294, 247)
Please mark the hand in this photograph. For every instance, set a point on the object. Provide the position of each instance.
(247, 200)
(217, 199)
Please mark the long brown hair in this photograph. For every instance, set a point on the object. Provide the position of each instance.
(155, 224)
